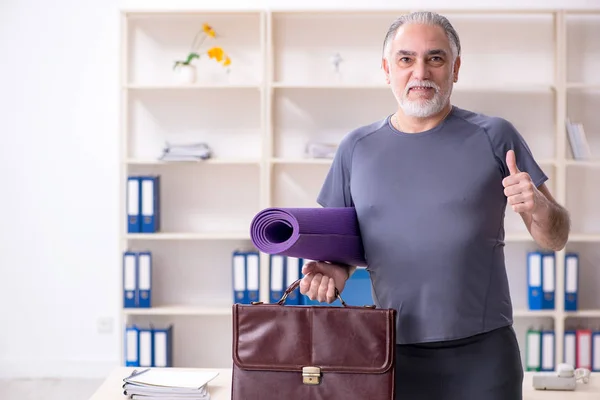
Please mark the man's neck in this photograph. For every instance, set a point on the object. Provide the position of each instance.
(409, 124)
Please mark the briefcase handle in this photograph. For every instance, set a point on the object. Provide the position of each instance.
(293, 287)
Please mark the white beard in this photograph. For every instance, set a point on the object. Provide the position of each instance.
(423, 108)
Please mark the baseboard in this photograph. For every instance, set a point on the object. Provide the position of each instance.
(86, 369)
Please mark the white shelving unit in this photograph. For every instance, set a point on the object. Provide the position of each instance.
(533, 67)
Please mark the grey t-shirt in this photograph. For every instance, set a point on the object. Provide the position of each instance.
(431, 209)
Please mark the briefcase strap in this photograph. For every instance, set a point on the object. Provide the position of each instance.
(293, 287)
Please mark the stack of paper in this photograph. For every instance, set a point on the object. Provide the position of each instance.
(168, 383)
(321, 150)
(186, 152)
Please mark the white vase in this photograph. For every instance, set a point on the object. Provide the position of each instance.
(185, 74)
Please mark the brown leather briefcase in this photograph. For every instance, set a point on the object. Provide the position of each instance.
(299, 352)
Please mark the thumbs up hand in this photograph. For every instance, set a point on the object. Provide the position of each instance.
(519, 189)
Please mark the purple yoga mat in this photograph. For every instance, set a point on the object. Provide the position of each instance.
(321, 234)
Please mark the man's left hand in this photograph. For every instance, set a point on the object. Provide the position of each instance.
(519, 189)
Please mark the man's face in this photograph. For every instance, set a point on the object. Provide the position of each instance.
(420, 70)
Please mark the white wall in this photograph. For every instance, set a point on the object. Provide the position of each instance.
(58, 166)
(59, 162)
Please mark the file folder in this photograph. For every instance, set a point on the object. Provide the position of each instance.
(252, 276)
(239, 277)
(357, 291)
(133, 202)
(570, 348)
(534, 280)
(276, 277)
(146, 347)
(130, 280)
(549, 281)
(132, 352)
(150, 204)
(293, 271)
(584, 348)
(144, 279)
(548, 348)
(571, 281)
(533, 345)
(163, 347)
(596, 351)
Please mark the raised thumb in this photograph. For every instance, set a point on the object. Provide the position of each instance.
(511, 162)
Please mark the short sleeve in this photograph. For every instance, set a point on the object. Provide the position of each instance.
(505, 137)
(335, 191)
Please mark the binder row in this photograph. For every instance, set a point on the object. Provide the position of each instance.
(245, 276)
(143, 204)
(148, 347)
(283, 271)
(541, 280)
(137, 279)
(581, 349)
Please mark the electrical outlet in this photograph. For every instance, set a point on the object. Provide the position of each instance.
(105, 325)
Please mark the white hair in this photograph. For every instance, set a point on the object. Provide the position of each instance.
(424, 17)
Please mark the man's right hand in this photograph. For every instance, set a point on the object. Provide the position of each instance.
(321, 279)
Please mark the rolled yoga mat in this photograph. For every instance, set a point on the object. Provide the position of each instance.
(321, 234)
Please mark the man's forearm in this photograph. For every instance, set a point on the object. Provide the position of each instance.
(550, 225)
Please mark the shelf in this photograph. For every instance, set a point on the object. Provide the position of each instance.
(302, 161)
(583, 86)
(518, 237)
(192, 87)
(574, 237)
(584, 237)
(327, 161)
(217, 161)
(583, 314)
(510, 237)
(180, 310)
(283, 85)
(524, 313)
(510, 88)
(189, 236)
(583, 163)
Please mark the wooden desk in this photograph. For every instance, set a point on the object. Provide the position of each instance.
(220, 388)
(112, 388)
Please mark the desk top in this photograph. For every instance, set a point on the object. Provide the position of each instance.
(112, 388)
(220, 387)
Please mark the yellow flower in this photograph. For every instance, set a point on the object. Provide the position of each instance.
(216, 52)
(227, 61)
(208, 30)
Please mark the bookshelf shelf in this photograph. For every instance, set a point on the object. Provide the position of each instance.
(583, 163)
(193, 87)
(583, 314)
(582, 86)
(302, 161)
(583, 237)
(180, 310)
(283, 93)
(211, 161)
(189, 236)
(524, 313)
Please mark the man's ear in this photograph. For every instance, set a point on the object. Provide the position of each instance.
(386, 69)
(456, 68)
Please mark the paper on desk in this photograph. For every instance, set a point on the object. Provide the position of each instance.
(166, 377)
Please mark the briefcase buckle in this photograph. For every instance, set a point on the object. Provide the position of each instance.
(311, 375)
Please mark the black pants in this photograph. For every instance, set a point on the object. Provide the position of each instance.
(482, 367)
